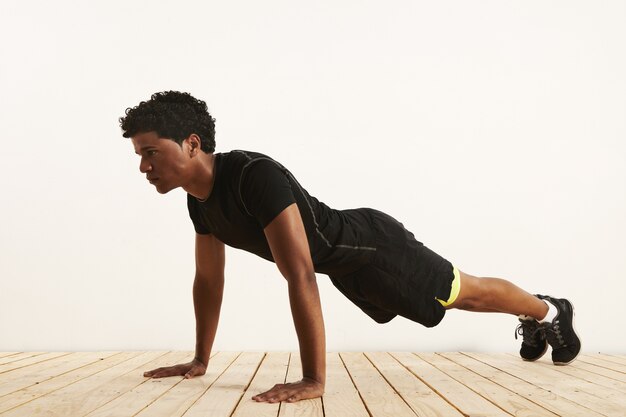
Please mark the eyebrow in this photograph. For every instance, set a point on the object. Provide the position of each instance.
(145, 148)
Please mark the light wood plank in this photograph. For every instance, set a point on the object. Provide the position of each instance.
(63, 389)
(420, 397)
(545, 398)
(182, 396)
(379, 397)
(4, 354)
(374, 384)
(578, 370)
(145, 390)
(304, 408)
(272, 371)
(223, 396)
(599, 370)
(599, 362)
(607, 395)
(573, 389)
(464, 399)
(341, 398)
(36, 374)
(19, 356)
(621, 359)
(30, 360)
(501, 397)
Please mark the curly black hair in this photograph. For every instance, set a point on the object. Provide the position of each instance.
(173, 115)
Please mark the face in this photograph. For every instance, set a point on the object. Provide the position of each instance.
(166, 164)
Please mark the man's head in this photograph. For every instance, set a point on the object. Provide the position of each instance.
(171, 132)
(172, 115)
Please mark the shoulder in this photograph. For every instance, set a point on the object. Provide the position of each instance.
(249, 157)
(240, 162)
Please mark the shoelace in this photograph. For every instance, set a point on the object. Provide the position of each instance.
(528, 332)
(553, 333)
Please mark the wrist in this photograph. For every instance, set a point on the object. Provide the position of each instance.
(203, 359)
(318, 381)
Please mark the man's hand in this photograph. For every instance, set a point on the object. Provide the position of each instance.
(188, 370)
(292, 392)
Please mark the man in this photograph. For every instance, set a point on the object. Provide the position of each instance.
(249, 201)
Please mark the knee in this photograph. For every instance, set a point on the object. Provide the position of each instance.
(473, 293)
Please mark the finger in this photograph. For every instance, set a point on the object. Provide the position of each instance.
(192, 372)
(294, 393)
(152, 372)
(280, 394)
(264, 396)
(260, 397)
(166, 372)
(294, 397)
(285, 395)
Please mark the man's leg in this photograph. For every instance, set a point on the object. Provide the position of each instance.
(499, 295)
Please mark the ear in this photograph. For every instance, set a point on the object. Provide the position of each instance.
(194, 143)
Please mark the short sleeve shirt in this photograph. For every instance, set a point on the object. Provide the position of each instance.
(250, 189)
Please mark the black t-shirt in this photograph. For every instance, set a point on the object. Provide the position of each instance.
(251, 189)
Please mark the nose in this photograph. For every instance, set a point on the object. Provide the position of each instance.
(144, 165)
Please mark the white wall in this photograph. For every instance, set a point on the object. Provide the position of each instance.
(495, 131)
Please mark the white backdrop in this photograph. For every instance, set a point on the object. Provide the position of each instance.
(495, 131)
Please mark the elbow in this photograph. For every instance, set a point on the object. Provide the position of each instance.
(304, 277)
(297, 272)
(215, 281)
(303, 286)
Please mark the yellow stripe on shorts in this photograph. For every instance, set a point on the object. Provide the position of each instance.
(454, 291)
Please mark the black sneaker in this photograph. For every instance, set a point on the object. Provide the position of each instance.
(535, 343)
(561, 334)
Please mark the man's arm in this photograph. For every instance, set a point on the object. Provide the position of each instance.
(290, 248)
(208, 288)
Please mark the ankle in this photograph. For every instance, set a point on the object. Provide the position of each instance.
(540, 311)
(550, 314)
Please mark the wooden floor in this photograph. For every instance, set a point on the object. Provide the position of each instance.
(375, 384)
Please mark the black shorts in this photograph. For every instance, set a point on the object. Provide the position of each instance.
(403, 278)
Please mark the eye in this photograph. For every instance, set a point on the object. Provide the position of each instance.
(151, 152)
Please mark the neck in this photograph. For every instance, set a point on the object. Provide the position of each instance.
(203, 178)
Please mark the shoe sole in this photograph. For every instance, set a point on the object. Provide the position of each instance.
(580, 344)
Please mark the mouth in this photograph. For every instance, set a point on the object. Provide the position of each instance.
(152, 180)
